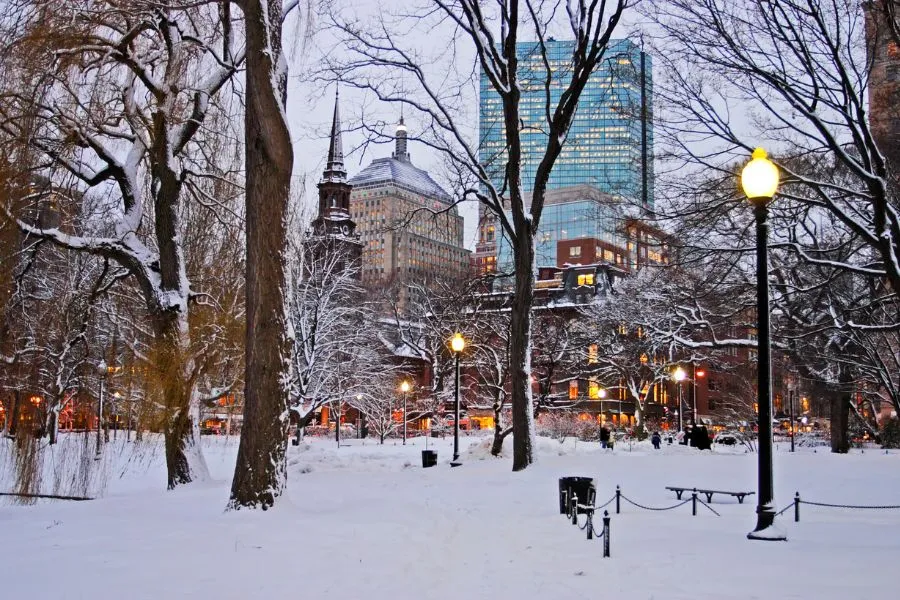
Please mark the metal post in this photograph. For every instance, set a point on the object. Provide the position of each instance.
(404, 417)
(694, 502)
(797, 507)
(791, 404)
(765, 508)
(455, 461)
(574, 508)
(680, 407)
(590, 525)
(694, 390)
(618, 500)
(605, 534)
(99, 419)
(337, 423)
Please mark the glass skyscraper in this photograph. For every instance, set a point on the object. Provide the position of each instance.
(608, 151)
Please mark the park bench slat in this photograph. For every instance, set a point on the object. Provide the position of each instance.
(709, 493)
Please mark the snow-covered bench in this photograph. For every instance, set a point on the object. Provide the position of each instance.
(709, 493)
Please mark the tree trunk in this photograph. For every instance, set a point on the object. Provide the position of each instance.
(173, 370)
(520, 353)
(840, 421)
(14, 415)
(497, 444)
(260, 472)
(53, 424)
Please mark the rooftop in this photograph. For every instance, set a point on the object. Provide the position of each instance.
(398, 170)
(403, 174)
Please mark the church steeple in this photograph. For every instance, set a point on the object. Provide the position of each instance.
(334, 167)
(333, 223)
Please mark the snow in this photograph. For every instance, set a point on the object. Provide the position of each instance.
(366, 521)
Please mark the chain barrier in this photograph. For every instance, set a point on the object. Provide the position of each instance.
(573, 508)
(798, 501)
(709, 507)
(853, 506)
(629, 500)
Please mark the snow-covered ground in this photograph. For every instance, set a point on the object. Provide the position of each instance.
(366, 521)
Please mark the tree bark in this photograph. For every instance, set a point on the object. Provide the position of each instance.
(14, 415)
(840, 420)
(260, 473)
(520, 353)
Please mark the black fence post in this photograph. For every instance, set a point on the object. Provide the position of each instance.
(605, 534)
(694, 502)
(618, 500)
(590, 524)
(574, 508)
(797, 507)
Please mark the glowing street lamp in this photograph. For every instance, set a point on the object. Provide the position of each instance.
(679, 375)
(759, 180)
(457, 344)
(404, 387)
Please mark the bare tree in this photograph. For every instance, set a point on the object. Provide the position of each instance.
(337, 353)
(114, 98)
(260, 473)
(377, 61)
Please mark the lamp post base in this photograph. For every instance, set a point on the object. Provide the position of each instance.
(766, 529)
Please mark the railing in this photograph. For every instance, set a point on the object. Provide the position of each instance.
(798, 501)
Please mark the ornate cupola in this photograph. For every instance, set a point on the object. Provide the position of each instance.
(400, 152)
(333, 217)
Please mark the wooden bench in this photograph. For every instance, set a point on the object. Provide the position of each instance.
(709, 493)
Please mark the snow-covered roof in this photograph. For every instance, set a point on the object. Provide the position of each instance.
(403, 174)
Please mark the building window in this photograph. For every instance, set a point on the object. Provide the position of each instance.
(575, 251)
(573, 390)
(592, 354)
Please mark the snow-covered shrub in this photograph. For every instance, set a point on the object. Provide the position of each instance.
(890, 434)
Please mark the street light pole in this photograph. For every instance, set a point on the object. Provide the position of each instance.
(457, 344)
(791, 405)
(101, 369)
(694, 393)
(679, 376)
(337, 423)
(760, 181)
(404, 387)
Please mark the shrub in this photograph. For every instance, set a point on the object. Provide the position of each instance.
(890, 434)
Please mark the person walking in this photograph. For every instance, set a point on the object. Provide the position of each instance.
(656, 440)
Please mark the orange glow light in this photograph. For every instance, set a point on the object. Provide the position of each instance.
(701, 373)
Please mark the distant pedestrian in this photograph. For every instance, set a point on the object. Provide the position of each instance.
(656, 440)
(604, 437)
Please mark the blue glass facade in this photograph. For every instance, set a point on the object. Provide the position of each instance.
(604, 146)
(568, 221)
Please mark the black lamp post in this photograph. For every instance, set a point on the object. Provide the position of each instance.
(404, 387)
(759, 179)
(457, 344)
(679, 376)
(102, 370)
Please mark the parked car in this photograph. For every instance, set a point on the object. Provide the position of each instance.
(727, 439)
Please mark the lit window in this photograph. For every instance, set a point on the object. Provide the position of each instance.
(573, 390)
(592, 354)
(575, 251)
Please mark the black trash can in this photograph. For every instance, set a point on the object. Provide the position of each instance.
(429, 458)
(583, 488)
